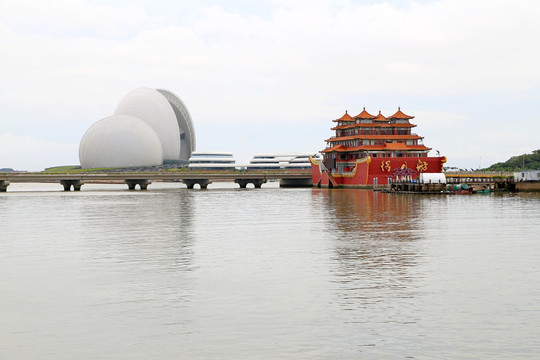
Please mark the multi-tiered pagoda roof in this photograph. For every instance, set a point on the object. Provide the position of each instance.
(376, 136)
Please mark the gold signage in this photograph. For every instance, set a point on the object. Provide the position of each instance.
(421, 166)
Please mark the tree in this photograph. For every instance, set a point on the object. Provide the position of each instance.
(520, 162)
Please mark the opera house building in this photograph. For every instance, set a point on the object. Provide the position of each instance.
(148, 127)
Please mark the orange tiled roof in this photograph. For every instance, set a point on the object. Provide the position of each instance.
(336, 148)
(393, 146)
(400, 115)
(380, 117)
(375, 137)
(374, 125)
(403, 147)
(365, 115)
(345, 117)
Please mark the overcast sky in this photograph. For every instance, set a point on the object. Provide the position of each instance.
(270, 75)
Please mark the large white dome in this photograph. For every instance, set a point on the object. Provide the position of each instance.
(120, 141)
(152, 107)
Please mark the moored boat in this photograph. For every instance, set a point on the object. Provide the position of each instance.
(460, 189)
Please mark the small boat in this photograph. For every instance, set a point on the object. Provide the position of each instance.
(459, 189)
(483, 190)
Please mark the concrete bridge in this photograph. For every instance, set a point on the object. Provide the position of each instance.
(143, 179)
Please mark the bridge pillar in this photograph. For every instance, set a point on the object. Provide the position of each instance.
(67, 184)
(256, 182)
(3, 185)
(243, 183)
(203, 183)
(132, 183)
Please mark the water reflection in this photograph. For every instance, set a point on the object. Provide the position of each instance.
(139, 256)
(267, 273)
(375, 246)
(154, 229)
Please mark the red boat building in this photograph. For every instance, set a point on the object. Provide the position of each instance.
(370, 150)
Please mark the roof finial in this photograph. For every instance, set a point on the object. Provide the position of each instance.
(399, 108)
(379, 111)
(346, 112)
(364, 108)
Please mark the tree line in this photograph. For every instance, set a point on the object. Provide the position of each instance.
(525, 161)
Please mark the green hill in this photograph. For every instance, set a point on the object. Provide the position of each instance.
(525, 161)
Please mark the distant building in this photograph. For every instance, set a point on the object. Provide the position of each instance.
(528, 175)
(149, 127)
(281, 161)
(215, 160)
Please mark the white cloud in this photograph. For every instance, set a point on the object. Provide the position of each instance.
(73, 18)
(300, 63)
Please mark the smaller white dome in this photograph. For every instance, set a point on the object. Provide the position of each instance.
(120, 141)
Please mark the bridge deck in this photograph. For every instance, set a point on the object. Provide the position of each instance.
(144, 178)
(43, 177)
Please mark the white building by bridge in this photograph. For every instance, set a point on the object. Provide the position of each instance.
(149, 127)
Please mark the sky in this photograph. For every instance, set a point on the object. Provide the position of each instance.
(271, 75)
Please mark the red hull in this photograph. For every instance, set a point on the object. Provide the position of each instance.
(376, 171)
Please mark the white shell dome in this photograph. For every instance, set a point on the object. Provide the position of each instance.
(183, 117)
(120, 141)
(152, 107)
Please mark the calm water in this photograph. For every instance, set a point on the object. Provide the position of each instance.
(266, 273)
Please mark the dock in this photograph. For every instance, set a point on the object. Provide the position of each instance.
(408, 187)
(475, 182)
